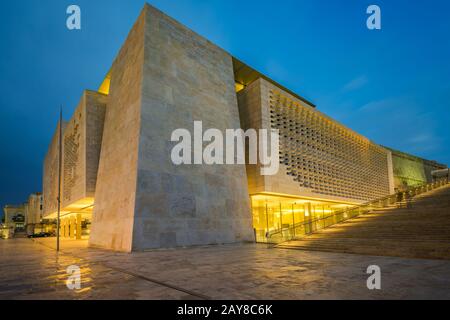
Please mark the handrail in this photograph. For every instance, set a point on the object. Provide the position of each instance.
(313, 225)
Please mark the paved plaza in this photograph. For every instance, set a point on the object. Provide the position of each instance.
(31, 269)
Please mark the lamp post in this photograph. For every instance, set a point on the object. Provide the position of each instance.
(59, 179)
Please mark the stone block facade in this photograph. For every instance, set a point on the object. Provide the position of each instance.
(117, 148)
(81, 144)
(113, 218)
(411, 171)
(165, 78)
(319, 157)
(50, 173)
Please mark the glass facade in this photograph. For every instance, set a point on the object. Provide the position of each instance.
(290, 215)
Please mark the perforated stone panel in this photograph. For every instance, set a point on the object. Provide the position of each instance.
(324, 156)
(410, 170)
(81, 142)
(71, 154)
(319, 157)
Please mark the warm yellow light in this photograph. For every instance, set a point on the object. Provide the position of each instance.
(84, 206)
(104, 87)
(277, 197)
(239, 86)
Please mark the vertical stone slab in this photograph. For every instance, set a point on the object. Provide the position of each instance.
(82, 143)
(113, 216)
(74, 162)
(251, 117)
(186, 78)
(391, 173)
(95, 118)
(50, 174)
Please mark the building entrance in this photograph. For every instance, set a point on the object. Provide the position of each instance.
(292, 216)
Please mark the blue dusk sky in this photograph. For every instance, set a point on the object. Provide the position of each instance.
(393, 85)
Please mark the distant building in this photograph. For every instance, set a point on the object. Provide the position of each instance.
(121, 190)
(410, 171)
(34, 213)
(26, 217)
(15, 219)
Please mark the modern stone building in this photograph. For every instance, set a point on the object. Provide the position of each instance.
(34, 213)
(26, 217)
(81, 142)
(15, 217)
(121, 189)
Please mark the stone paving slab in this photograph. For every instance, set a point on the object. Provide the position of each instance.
(32, 270)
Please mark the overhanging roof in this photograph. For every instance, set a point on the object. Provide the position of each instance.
(245, 75)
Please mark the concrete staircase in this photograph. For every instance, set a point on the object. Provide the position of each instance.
(421, 230)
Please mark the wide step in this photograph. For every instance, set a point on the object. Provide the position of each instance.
(420, 231)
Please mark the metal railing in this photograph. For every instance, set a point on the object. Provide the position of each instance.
(311, 225)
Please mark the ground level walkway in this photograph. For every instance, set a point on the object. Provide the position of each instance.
(31, 269)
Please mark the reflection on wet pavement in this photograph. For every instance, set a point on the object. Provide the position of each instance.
(32, 270)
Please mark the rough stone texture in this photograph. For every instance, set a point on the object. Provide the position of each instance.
(82, 138)
(74, 164)
(335, 162)
(390, 165)
(82, 144)
(33, 212)
(95, 119)
(113, 217)
(186, 78)
(34, 209)
(50, 174)
(165, 78)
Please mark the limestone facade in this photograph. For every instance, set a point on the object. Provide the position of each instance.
(166, 77)
(117, 147)
(113, 216)
(81, 143)
(34, 212)
(50, 173)
(319, 157)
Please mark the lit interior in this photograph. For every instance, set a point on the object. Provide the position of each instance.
(75, 218)
(273, 212)
(239, 86)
